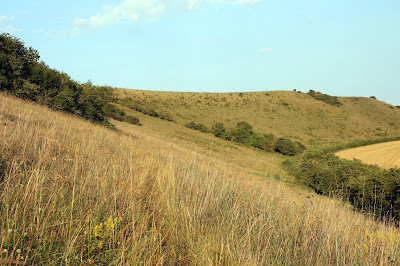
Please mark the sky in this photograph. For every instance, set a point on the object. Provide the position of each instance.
(341, 47)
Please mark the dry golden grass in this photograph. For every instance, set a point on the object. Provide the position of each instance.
(76, 193)
(386, 155)
(283, 113)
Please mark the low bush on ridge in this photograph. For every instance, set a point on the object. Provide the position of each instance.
(331, 100)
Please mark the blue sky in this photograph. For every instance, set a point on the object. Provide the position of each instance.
(341, 47)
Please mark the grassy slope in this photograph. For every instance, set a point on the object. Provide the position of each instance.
(313, 122)
(173, 204)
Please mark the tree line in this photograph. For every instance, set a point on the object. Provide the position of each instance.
(23, 75)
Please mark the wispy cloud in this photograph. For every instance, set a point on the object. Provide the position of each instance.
(5, 25)
(140, 10)
(266, 50)
(6, 18)
(310, 18)
(10, 29)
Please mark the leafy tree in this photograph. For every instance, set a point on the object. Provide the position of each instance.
(22, 75)
(288, 147)
(242, 133)
(219, 130)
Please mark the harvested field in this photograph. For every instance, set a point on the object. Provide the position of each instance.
(386, 155)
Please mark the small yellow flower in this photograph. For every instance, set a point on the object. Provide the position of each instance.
(98, 231)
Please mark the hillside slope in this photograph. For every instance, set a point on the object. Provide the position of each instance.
(72, 192)
(282, 113)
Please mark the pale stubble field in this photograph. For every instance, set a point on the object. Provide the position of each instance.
(386, 155)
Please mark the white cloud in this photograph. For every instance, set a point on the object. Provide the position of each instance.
(266, 50)
(310, 18)
(143, 10)
(128, 10)
(6, 18)
(246, 2)
(10, 29)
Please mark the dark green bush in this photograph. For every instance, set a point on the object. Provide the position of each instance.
(367, 187)
(219, 130)
(22, 75)
(243, 133)
(286, 146)
(199, 127)
(144, 108)
(130, 119)
(332, 100)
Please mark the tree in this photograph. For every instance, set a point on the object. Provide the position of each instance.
(219, 130)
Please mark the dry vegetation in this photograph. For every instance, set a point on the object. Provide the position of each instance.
(76, 193)
(386, 155)
(283, 113)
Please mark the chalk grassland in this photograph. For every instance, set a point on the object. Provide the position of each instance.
(386, 155)
(76, 193)
(283, 113)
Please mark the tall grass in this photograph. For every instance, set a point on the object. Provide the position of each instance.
(77, 193)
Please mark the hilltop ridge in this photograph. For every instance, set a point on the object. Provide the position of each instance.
(283, 113)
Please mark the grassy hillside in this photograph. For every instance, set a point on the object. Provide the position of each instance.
(282, 113)
(73, 192)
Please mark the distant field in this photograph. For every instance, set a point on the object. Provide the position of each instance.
(386, 155)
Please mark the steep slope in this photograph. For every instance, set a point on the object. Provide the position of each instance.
(73, 192)
(282, 113)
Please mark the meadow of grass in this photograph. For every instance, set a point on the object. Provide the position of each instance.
(386, 155)
(283, 113)
(73, 192)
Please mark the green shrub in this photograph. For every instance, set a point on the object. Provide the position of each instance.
(130, 119)
(242, 133)
(219, 130)
(367, 187)
(22, 75)
(199, 127)
(286, 146)
(332, 100)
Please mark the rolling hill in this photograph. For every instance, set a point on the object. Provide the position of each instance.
(283, 113)
(73, 192)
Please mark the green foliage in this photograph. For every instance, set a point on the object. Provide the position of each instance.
(286, 146)
(115, 113)
(22, 75)
(199, 127)
(243, 133)
(332, 100)
(373, 97)
(367, 187)
(145, 109)
(220, 132)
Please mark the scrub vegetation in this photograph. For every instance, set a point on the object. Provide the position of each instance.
(22, 75)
